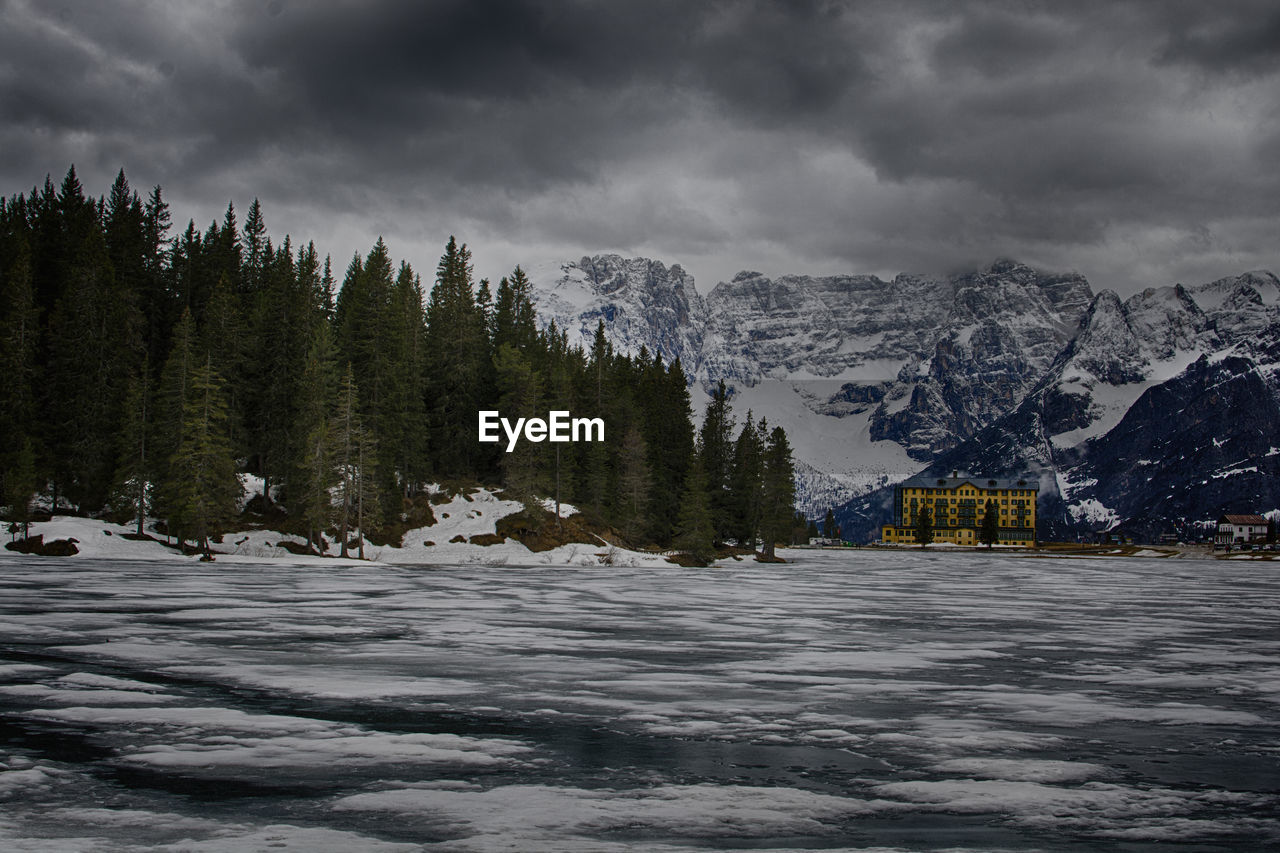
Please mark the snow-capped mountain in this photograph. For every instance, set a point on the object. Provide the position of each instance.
(1003, 370)
(1173, 409)
(1162, 410)
(642, 302)
(869, 378)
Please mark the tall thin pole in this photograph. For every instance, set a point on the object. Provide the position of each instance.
(360, 496)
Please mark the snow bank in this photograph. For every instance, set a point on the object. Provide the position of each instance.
(474, 514)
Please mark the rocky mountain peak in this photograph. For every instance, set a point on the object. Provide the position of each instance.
(1001, 368)
(642, 302)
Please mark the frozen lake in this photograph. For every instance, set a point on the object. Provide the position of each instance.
(845, 701)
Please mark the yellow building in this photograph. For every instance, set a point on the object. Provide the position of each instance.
(958, 506)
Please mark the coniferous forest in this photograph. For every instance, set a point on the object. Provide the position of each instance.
(146, 368)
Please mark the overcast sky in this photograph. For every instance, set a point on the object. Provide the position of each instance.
(1138, 143)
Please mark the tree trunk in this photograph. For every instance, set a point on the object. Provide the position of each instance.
(346, 516)
(360, 500)
(142, 482)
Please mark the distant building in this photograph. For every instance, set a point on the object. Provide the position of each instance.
(959, 505)
(1240, 530)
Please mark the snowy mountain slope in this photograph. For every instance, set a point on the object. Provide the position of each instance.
(856, 328)
(1124, 349)
(914, 365)
(836, 457)
(1004, 328)
(1159, 410)
(642, 302)
(1203, 443)
(1003, 370)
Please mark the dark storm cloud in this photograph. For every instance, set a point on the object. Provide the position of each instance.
(1131, 140)
(530, 93)
(1247, 41)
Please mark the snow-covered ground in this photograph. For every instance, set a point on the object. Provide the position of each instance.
(474, 514)
(849, 700)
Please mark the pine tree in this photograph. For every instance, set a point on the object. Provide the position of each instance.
(155, 298)
(800, 529)
(202, 473)
(125, 232)
(222, 246)
(350, 294)
(633, 485)
(989, 533)
(829, 525)
(401, 425)
(226, 338)
(562, 367)
(47, 239)
(591, 379)
(185, 272)
(314, 479)
(19, 334)
(667, 419)
(593, 479)
(601, 355)
(20, 486)
(746, 482)
(523, 468)
(695, 532)
(484, 304)
(354, 452)
(716, 448)
(315, 474)
(514, 321)
(324, 295)
(365, 335)
(134, 466)
(170, 405)
(281, 320)
(254, 253)
(777, 504)
(457, 350)
(94, 344)
(381, 332)
(924, 527)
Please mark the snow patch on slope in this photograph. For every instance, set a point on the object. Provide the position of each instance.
(1093, 512)
(1109, 403)
(476, 513)
(841, 447)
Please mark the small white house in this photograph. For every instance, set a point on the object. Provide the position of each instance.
(1240, 529)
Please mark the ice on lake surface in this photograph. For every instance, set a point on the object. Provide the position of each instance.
(857, 701)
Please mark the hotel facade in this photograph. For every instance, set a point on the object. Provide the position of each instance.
(958, 506)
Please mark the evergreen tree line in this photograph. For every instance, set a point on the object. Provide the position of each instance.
(144, 372)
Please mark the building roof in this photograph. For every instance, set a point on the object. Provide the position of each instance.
(1243, 519)
(923, 481)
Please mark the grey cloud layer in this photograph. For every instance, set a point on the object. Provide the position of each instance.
(1135, 141)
